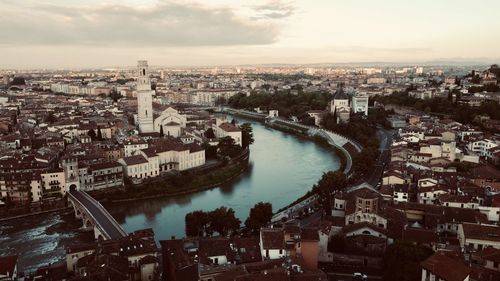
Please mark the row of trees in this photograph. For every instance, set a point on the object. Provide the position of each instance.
(462, 113)
(223, 221)
(93, 136)
(363, 131)
(285, 102)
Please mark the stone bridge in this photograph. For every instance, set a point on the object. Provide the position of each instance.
(94, 216)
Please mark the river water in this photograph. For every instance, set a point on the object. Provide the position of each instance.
(282, 167)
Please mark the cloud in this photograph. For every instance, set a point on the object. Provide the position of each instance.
(274, 10)
(118, 25)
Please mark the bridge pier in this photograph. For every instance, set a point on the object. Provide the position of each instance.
(87, 224)
(98, 235)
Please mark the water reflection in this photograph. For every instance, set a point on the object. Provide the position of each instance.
(282, 168)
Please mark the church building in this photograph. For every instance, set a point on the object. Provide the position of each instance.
(170, 122)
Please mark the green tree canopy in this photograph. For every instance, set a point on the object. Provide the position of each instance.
(331, 182)
(209, 133)
(223, 221)
(402, 261)
(328, 184)
(260, 215)
(246, 135)
(228, 147)
(196, 223)
(92, 135)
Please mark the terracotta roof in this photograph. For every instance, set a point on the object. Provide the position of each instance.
(272, 238)
(485, 172)
(446, 268)
(420, 235)
(481, 232)
(7, 265)
(491, 254)
(309, 234)
(104, 165)
(135, 160)
(228, 127)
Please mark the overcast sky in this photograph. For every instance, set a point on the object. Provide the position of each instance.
(97, 33)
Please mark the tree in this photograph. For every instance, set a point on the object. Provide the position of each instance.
(246, 135)
(228, 147)
(115, 96)
(495, 70)
(260, 215)
(50, 118)
(209, 133)
(223, 221)
(196, 223)
(210, 150)
(330, 183)
(161, 131)
(309, 120)
(91, 134)
(402, 261)
(99, 134)
(337, 244)
(18, 81)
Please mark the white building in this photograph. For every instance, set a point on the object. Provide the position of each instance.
(171, 122)
(132, 145)
(360, 103)
(376, 80)
(144, 99)
(481, 147)
(224, 129)
(478, 236)
(137, 167)
(210, 97)
(163, 156)
(272, 244)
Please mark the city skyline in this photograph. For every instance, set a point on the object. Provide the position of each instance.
(64, 34)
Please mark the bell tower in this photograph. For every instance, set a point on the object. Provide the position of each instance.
(144, 98)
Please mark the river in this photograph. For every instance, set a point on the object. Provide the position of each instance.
(282, 167)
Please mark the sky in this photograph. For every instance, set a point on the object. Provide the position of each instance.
(97, 33)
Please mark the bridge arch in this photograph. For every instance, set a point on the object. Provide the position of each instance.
(88, 224)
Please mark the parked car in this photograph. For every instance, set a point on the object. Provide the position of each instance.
(359, 276)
